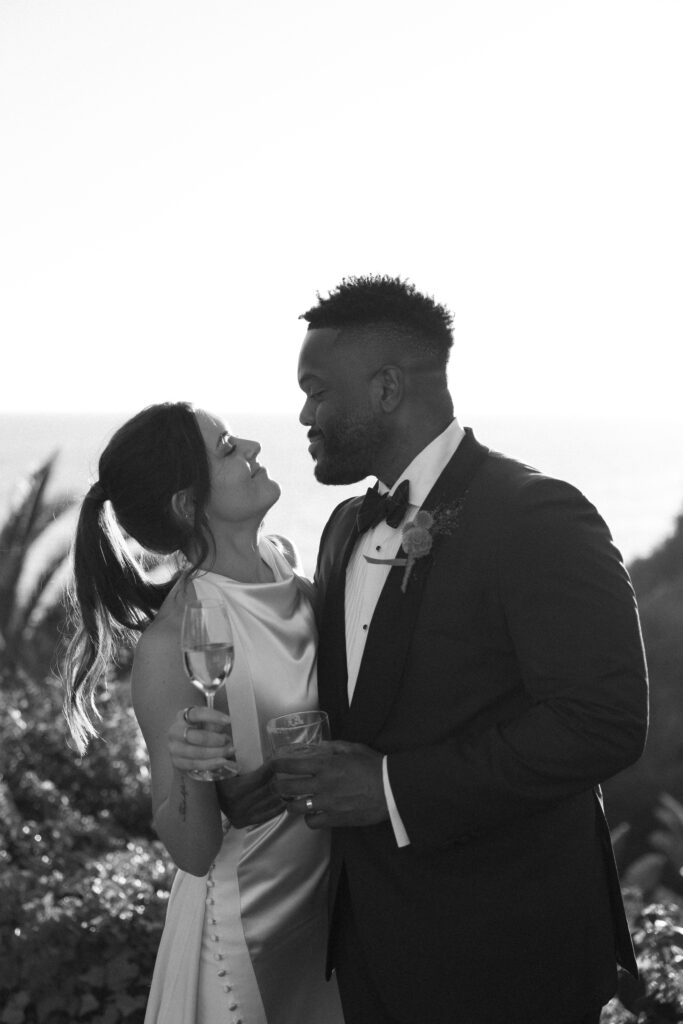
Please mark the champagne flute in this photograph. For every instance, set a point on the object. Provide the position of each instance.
(208, 653)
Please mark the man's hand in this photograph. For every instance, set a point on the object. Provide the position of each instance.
(340, 785)
(250, 799)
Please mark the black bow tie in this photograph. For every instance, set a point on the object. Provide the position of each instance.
(377, 507)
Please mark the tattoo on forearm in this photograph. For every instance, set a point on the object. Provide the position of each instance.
(182, 807)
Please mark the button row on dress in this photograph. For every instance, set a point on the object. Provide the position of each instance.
(222, 972)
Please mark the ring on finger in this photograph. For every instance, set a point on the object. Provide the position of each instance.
(186, 715)
(309, 805)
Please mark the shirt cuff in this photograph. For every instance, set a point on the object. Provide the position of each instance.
(400, 833)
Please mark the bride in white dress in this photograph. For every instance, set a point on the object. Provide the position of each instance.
(246, 929)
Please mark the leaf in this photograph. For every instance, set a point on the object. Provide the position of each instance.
(120, 971)
(16, 534)
(646, 872)
(52, 1001)
(88, 1003)
(128, 1004)
(111, 1015)
(673, 806)
(14, 1010)
(23, 613)
(94, 977)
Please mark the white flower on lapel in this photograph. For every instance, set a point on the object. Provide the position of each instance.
(418, 537)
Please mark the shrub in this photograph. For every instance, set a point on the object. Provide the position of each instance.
(83, 883)
(78, 940)
(657, 996)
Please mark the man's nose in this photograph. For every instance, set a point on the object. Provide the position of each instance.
(305, 416)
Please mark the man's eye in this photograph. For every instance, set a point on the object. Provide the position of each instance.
(316, 395)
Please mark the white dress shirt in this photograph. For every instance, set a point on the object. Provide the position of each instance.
(364, 580)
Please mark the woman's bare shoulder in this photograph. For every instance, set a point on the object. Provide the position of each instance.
(159, 642)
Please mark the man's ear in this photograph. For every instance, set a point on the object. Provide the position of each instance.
(389, 387)
(183, 506)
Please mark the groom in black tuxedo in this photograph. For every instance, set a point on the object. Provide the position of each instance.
(481, 663)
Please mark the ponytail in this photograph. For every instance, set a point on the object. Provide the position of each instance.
(111, 599)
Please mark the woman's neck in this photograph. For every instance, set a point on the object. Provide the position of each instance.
(237, 557)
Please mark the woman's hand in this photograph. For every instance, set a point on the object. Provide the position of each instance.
(200, 737)
(250, 799)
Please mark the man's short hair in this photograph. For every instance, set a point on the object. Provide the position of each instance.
(387, 302)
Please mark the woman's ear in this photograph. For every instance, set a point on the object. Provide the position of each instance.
(183, 506)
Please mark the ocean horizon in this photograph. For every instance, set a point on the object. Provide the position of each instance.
(632, 471)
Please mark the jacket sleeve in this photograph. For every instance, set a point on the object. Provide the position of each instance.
(572, 619)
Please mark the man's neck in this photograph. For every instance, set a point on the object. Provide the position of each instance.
(393, 462)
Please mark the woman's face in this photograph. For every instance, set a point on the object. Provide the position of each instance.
(241, 489)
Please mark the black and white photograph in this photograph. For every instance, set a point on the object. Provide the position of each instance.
(341, 512)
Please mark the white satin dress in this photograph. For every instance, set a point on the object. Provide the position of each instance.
(246, 944)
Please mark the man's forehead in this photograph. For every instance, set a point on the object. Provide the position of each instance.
(318, 351)
(321, 338)
(331, 345)
(339, 353)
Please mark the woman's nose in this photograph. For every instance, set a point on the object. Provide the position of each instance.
(251, 448)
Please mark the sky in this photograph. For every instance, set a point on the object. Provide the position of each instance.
(179, 179)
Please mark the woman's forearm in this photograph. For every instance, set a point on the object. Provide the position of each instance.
(188, 822)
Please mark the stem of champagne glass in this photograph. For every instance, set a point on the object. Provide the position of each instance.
(209, 700)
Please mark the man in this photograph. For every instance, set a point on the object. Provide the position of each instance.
(483, 671)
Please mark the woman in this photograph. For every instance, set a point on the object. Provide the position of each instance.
(245, 930)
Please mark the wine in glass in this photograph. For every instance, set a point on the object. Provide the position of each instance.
(298, 734)
(208, 653)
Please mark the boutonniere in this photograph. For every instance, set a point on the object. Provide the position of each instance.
(418, 537)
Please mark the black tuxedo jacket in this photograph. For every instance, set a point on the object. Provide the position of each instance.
(504, 685)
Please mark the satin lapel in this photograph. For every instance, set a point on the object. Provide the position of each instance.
(393, 622)
(332, 667)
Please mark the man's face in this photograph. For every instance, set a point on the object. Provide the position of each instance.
(345, 427)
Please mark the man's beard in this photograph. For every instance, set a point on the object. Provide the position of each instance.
(349, 450)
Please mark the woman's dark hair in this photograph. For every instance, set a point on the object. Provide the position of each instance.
(149, 459)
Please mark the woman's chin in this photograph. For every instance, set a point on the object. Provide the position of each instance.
(277, 491)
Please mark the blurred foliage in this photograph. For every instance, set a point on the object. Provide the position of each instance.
(657, 996)
(83, 884)
(33, 558)
(634, 794)
(655, 914)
